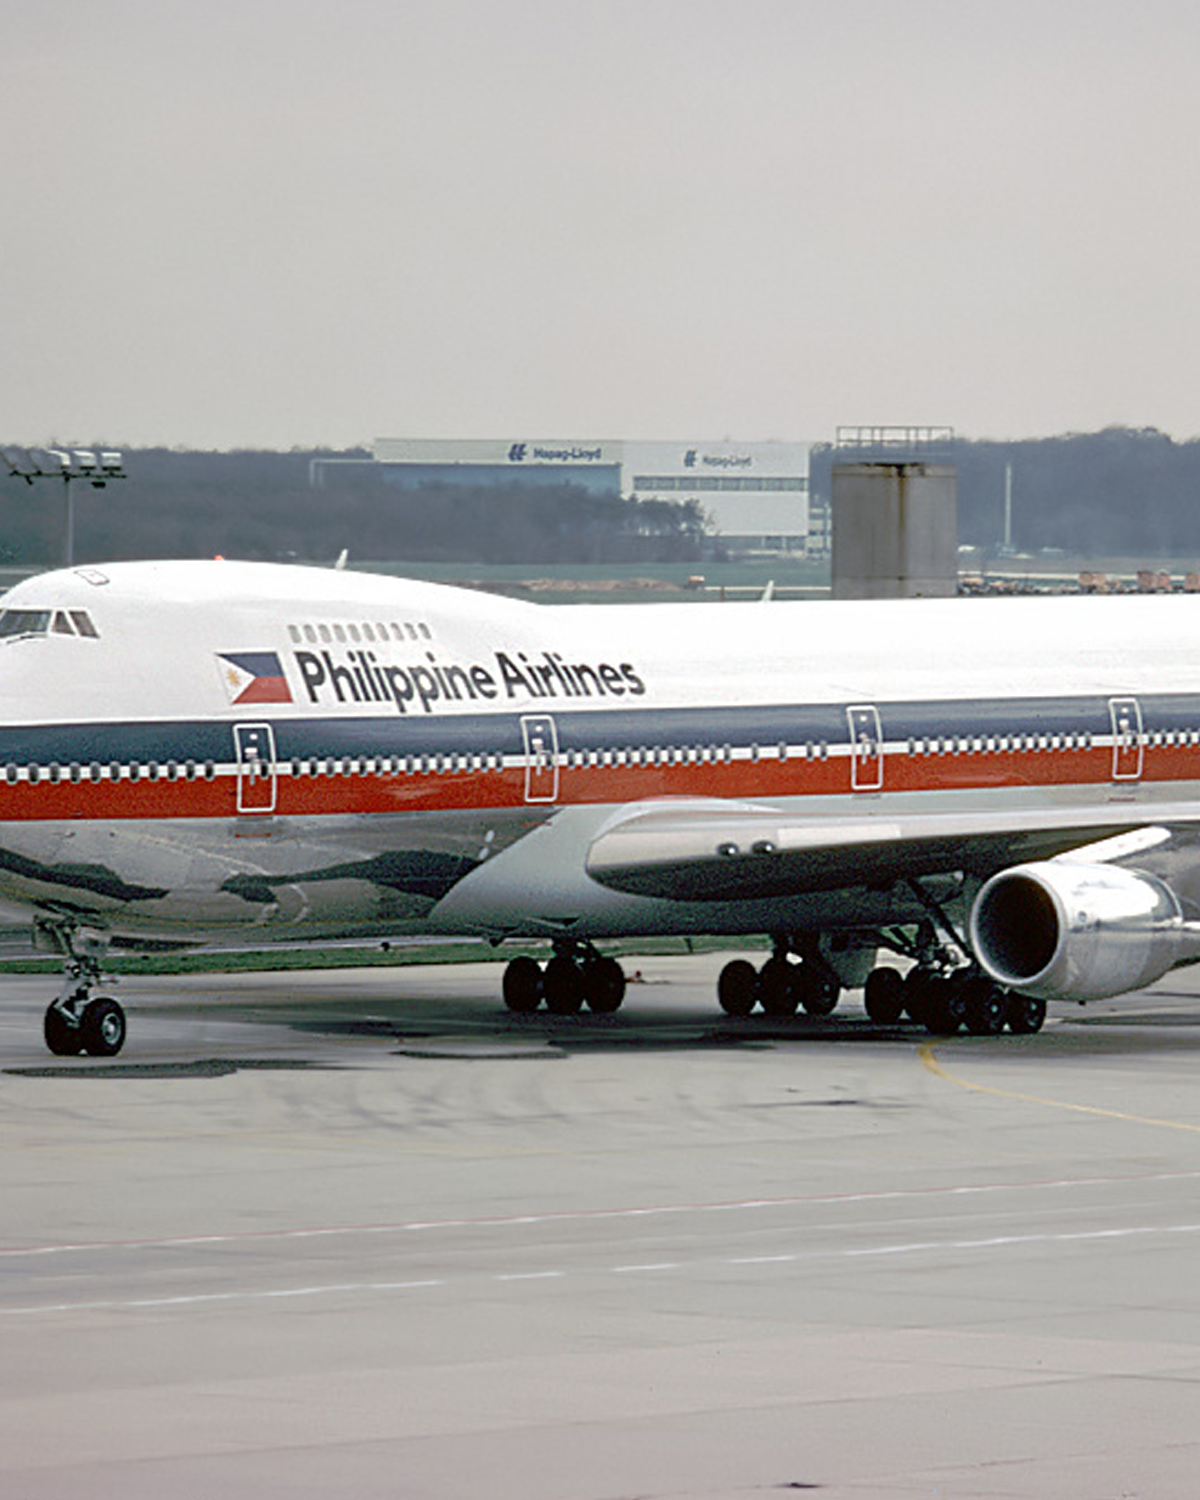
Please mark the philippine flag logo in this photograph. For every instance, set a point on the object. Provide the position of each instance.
(254, 677)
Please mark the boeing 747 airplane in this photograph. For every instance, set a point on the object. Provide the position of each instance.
(1004, 793)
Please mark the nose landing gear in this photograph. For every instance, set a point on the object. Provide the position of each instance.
(75, 1022)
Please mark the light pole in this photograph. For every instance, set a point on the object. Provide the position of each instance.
(97, 469)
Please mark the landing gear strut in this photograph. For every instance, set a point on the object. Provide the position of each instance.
(576, 976)
(75, 1022)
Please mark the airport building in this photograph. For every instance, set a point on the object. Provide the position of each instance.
(755, 496)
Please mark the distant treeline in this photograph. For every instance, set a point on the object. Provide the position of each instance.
(1131, 492)
(261, 505)
(1120, 492)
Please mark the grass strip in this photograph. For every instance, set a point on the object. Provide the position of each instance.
(396, 954)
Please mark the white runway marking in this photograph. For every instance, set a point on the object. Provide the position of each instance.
(403, 1227)
(366, 1288)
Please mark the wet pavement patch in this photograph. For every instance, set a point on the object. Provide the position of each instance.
(474, 1049)
(209, 1067)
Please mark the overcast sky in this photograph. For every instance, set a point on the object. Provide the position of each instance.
(301, 222)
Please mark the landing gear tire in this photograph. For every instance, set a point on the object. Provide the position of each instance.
(563, 987)
(102, 1028)
(819, 993)
(883, 996)
(1026, 1016)
(919, 987)
(62, 1037)
(986, 1006)
(737, 987)
(780, 987)
(522, 985)
(604, 986)
(946, 1007)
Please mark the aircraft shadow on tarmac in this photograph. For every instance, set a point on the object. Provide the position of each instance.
(470, 1025)
(196, 1034)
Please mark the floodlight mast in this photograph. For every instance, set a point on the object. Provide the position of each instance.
(31, 464)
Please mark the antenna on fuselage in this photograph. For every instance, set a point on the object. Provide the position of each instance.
(343, 558)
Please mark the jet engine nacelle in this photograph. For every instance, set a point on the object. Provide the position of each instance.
(1063, 931)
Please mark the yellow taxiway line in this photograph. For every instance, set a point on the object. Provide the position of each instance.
(928, 1055)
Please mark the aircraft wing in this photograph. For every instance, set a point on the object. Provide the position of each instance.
(711, 851)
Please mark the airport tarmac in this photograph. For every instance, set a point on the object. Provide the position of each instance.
(362, 1233)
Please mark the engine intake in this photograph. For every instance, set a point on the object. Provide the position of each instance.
(1063, 931)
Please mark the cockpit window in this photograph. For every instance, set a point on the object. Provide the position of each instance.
(24, 622)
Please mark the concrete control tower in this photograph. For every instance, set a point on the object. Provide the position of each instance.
(894, 514)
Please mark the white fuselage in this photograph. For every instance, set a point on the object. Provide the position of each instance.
(212, 748)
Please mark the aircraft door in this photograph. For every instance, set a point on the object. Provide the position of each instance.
(255, 747)
(541, 757)
(866, 748)
(1128, 739)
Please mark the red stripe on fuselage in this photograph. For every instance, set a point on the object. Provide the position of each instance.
(446, 790)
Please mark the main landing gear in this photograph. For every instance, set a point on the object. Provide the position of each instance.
(576, 976)
(946, 1003)
(76, 1022)
(943, 990)
(782, 986)
(942, 1002)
